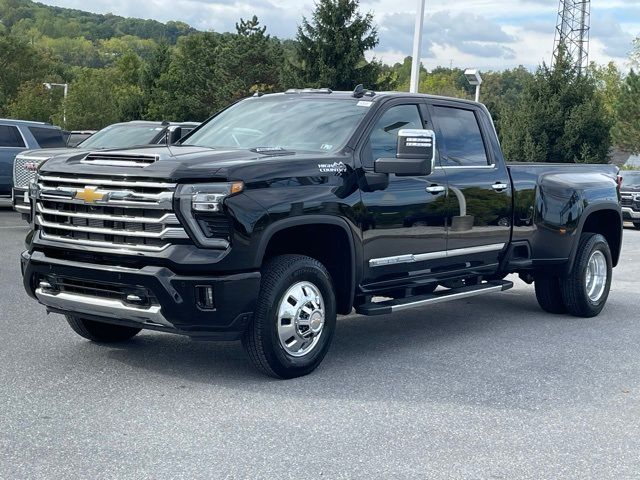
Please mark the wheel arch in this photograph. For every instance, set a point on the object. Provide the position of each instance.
(316, 237)
(604, 219)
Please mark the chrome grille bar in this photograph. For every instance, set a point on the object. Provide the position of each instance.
(166, 233)
(107, 182)
(112, 246)
(166, 218)
(115, 198)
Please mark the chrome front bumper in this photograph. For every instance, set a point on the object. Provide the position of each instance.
(628, 212)
(101, 307)
(20, 200)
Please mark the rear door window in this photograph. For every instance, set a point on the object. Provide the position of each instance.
(48, 137)
(10, 137)
(460, 139)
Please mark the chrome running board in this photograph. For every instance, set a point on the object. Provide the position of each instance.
(391, 306)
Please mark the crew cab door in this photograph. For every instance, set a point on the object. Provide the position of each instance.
(480, 204)
(407, 217)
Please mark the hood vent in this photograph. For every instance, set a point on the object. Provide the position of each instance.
(119, 160)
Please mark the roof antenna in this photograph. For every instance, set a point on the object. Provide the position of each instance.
(359, 91)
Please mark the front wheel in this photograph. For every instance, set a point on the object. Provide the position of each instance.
(101, 332)
(586, 290)
(295, 317)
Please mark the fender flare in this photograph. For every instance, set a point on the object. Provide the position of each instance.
(292, 222)
(598, 207)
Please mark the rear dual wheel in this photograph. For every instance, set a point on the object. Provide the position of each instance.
(584, 292)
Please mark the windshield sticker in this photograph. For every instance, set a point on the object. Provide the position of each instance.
(336, 167)
(268, 149)
(326, 146)
(364, 103)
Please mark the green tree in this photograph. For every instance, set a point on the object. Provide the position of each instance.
(609, 83)
(19, 63)
(251, 60)
(626, 131)
(92, 100)
(34, 102)
(331, 47)
(501, 92)
(448, 82)
(559, 118)
(193, 86)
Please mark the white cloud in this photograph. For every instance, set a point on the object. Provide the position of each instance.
(492, 34)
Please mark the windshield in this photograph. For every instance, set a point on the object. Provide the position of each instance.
(631, 180)
(286, 122)
(122, 136)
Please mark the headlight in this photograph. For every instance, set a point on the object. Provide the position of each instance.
(209, 198)
(202, 209)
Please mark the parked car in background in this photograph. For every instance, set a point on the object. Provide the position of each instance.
(630, 195)
(75, 137)
(118, 135)
(19, 135)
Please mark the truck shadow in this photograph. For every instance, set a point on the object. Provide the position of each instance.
(491, 350)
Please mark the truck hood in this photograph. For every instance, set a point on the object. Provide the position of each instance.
(190, 163)
(42, 154)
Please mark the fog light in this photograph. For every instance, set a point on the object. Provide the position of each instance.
(204, 297)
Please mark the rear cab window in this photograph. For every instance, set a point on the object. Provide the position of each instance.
(459, 137)
(10, 137)
(48, 137)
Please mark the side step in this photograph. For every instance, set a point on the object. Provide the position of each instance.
(390, 306)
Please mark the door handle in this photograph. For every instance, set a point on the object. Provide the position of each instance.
(499, 187)
(435, 189)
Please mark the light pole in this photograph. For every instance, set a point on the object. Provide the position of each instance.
(417, 48)
(49, 86)
(474, 79)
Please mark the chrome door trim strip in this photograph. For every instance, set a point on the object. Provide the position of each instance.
(421, 257)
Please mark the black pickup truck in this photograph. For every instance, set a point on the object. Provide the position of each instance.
(285, 210)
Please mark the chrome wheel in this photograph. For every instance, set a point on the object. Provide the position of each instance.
(596, 276)
(301, 318)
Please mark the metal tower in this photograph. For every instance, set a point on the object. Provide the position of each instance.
(572, 31)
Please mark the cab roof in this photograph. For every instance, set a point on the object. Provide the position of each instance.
(365, 95)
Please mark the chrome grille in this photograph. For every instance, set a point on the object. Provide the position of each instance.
(22, 175)
(107, 212)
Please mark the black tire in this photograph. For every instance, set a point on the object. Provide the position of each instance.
(261, 340)
(101, 332)
(636, 225)
(549, 294)
(574, 287)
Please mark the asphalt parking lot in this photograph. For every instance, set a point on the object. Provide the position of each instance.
(487, 388)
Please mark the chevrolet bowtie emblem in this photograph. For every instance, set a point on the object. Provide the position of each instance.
(89, 195)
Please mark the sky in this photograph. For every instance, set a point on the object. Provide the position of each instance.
(485, 34)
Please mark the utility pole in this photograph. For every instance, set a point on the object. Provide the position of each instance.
(417, 47)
